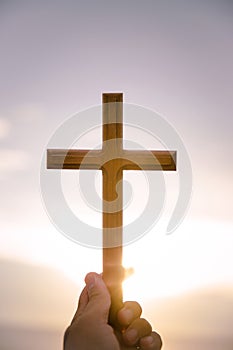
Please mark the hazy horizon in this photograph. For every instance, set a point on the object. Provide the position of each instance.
(187, 318)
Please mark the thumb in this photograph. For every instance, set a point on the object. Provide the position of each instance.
(99, 297)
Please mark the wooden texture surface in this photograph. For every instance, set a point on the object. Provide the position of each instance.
(113, 273)
(128, 160)
(112, 160)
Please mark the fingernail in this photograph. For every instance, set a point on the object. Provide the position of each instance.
(90, 281)
(131, 335)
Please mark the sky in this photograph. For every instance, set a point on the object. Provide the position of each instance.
(173, 57)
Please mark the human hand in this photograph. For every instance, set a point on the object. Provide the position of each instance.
(89, 329)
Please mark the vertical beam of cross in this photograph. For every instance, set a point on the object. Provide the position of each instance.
(112, 174)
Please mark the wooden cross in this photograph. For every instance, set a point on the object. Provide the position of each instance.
(112, 159)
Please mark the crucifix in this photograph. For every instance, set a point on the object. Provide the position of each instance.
(112, 159)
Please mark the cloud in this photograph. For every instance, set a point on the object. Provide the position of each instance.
(35, 296)
(29, 112)
(5, 127)
(13, 160)
(43, 298)
(204, 313)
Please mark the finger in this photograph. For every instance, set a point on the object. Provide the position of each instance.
(99, 297)
(151, 342)
(82, 303)
(138, 329)
(131, 310)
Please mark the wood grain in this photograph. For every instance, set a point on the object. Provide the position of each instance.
(112, 177)
(96, 159)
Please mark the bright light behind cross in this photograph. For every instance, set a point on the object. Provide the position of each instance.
(164, 266)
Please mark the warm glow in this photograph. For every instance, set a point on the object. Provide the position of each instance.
(163, 265)
(192, 257)
(198, 254)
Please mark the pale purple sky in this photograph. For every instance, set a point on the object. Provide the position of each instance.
(57, 57)
(171, 56)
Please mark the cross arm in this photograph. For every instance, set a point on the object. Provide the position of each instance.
(73, 159)
(149, 160)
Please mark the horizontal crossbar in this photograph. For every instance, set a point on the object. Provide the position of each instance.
(126, 159)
